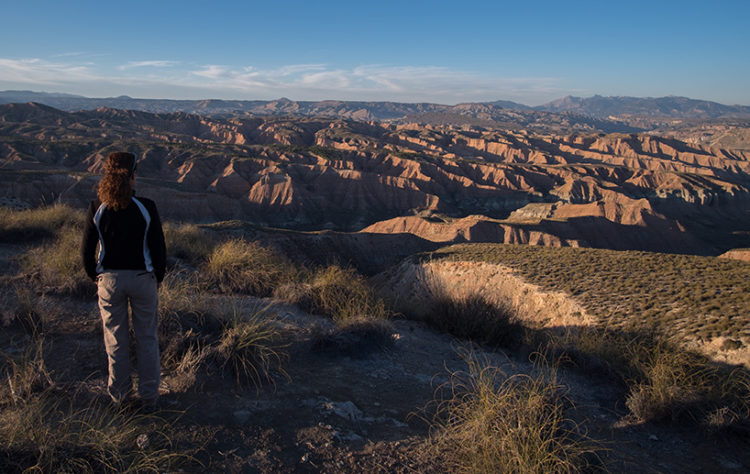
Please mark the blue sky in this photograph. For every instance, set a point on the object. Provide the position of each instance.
(408, 51)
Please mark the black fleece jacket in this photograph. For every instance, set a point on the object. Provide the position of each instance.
(121, 234)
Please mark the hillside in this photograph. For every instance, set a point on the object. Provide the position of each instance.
(623, 191)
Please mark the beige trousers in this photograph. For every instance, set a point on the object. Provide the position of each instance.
(117, 288)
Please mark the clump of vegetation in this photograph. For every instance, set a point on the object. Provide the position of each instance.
(631, 293)
(486, 421)
(188, 242)
(24, 376)
(39, 223)
(251, 347)
(237, 266)
(196, 330)
(663, 381)
(672, 384)
(341, 293)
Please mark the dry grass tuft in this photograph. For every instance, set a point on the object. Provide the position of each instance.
(251, 347)
(664, 382)
(24, 376)
(188, 242)
(19, 308)
(491, 422)
(675, 384)
(342, 294)
(237, 266)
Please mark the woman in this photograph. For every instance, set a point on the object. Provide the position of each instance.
(127, 269)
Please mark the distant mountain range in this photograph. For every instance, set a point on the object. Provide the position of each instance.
(618, 109)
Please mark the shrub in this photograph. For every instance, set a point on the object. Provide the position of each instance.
(486, 421)
(237, 266)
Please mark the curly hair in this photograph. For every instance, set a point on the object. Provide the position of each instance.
(115, 188)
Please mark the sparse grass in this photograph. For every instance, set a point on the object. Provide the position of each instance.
(57, 265)
(251, 347)
(43, 222)
(45, 429)
(237, 266)
(25, 375)
(19, 308)
(486, 421)
(340, 293)
(45, 435)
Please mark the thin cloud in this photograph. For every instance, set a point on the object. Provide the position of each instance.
(172, 79)
(139, 64)
(212, 72)
(38, 71)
